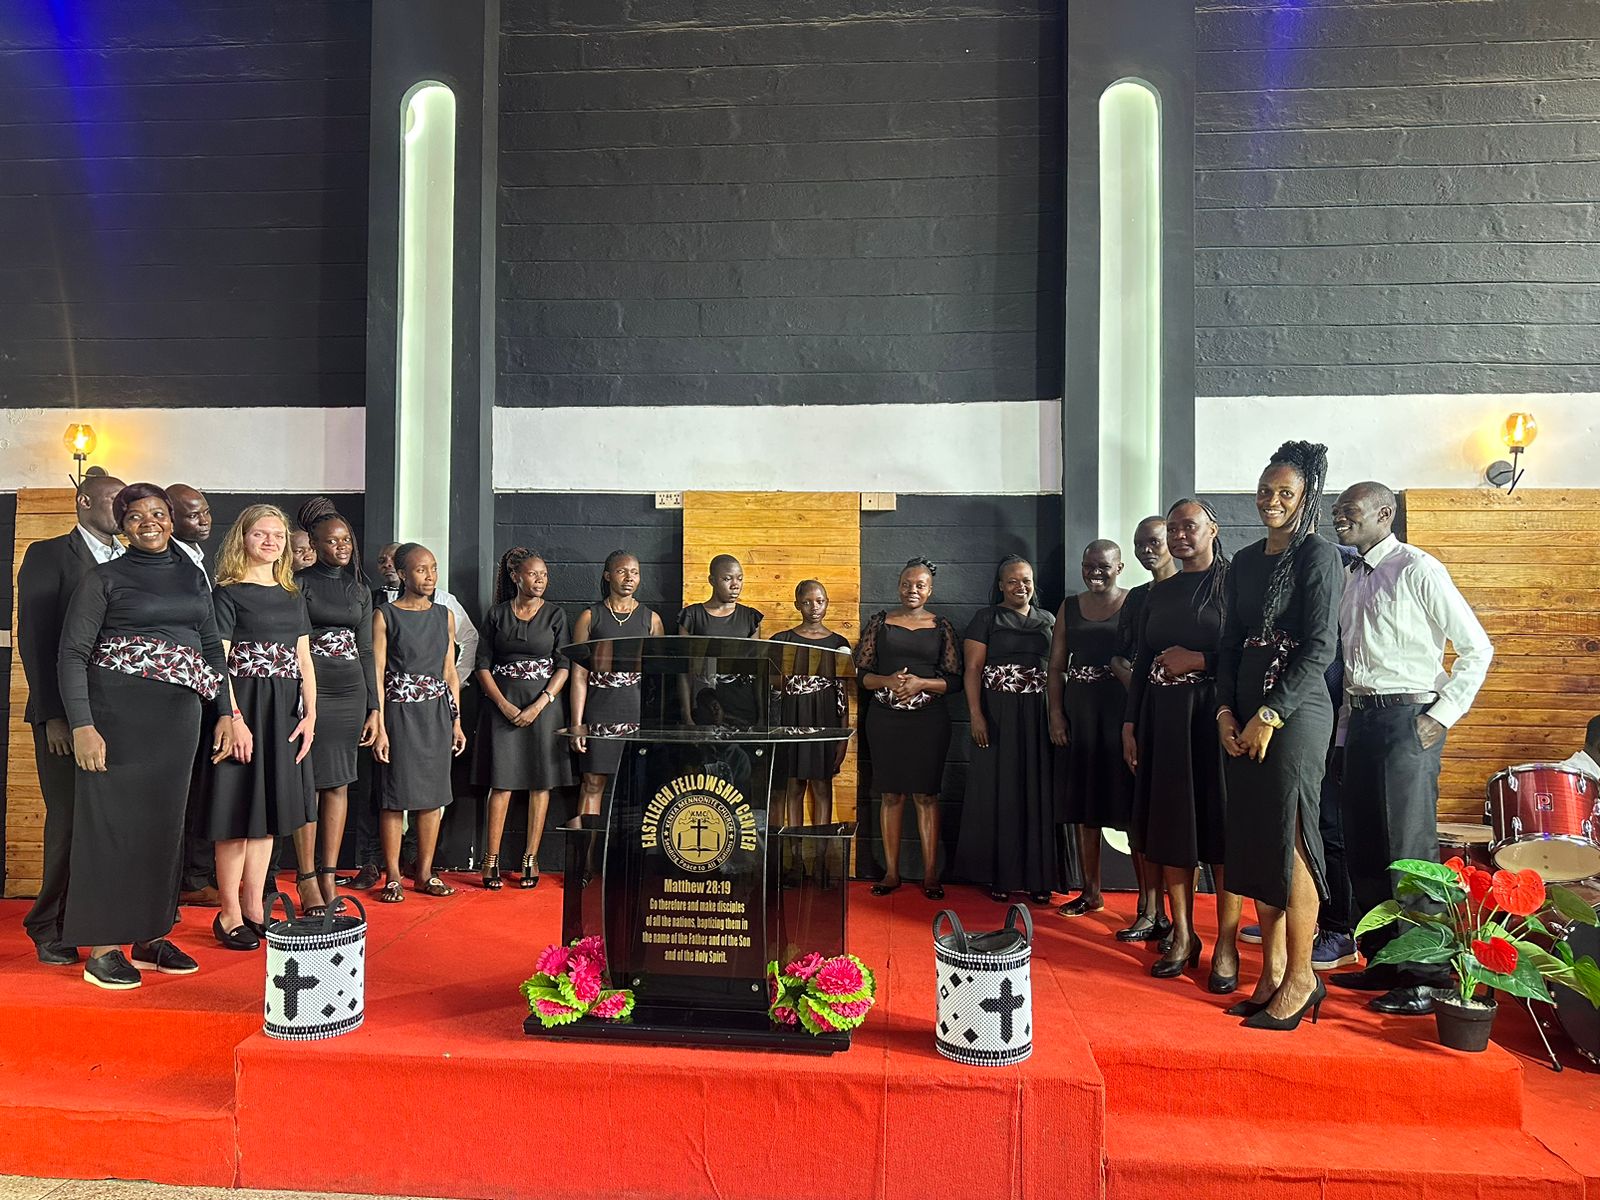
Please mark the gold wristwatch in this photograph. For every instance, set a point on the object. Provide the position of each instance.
(1270, 717)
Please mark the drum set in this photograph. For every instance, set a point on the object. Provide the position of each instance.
(1544, 817)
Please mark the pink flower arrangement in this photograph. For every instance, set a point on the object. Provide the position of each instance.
(822, 995)
(569, 982)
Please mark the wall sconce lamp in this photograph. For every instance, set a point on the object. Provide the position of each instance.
(1518, 434)
(81, 441)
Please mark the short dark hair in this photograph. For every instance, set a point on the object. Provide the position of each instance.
(721, 561)
(135, 492)
(1592, 737)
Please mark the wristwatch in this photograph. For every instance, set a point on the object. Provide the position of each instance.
(1269, 716)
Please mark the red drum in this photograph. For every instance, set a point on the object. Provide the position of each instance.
(1545, 817)
(1469, 843)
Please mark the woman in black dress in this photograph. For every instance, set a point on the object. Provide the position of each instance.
(909, 660)
(419, 717)
(141, 674)
(608, 697)
(265, 790)
(339, 604)
(1087, 705)
(1008, 822)
(521, 672)
(810, 702)
(1169, 741)
(1280, 635)
(1150, 548)
(722, 616)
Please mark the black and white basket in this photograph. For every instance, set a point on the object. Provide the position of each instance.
(316, 972)
(985, 993)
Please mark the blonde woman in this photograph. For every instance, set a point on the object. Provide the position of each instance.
(265, 789)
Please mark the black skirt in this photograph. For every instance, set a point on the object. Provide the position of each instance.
(271, 795)
(608, 706)
(1179, 804)
(417, 776)
(127, 830)
(1095, 787)
(532, 758)
(1009, 839)
(908, 747)
(341, 713)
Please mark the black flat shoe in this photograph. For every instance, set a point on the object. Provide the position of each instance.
(1313, 1005)
(1373, 979)
(1245, 1008)
(1041, 898)
(998, 896)
(56, 954)
(112, 971)
(259, 928)
(933, 891)
(883, 889)
(162, 957)
(1403, 1002)
(241, 938)
(1145, 930)
(363, 880)
(1171, 968)
(1078, 906)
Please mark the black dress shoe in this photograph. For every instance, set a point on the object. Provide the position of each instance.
(56, 954)
(363, 880)
(1144, 930)
(240, 938)
(162, 956)
(112, 971)
(1404, 1002)
(1373, 979)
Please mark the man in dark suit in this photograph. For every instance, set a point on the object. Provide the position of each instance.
(49, 574)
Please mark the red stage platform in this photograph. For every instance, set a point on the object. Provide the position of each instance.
(1137, 1087)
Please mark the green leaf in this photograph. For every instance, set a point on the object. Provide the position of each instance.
(1386, 913)
(1586, 979)
(565, 1015)
(1525, 981)
(1534, 925)
(1572, 906)
(1424, 868)
(1437, 890)
(1564, 953)
(1420, 944)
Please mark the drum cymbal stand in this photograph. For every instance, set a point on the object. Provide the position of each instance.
(1538, 1025)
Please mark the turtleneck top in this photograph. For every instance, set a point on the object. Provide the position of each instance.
(336, 599)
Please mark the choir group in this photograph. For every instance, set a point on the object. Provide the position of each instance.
(1195, 713)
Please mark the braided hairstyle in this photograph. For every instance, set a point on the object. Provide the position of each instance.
(612, 560)
(1309, 460)
(1210, 588)
(510, 563)
(996, 596)
(318, 511)
(927, 564)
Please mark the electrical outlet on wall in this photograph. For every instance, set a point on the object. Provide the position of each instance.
(669, 499)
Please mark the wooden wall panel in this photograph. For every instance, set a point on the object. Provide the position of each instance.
(41, 513)
(780, 540)
(1519, 561)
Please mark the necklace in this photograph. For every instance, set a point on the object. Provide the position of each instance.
(622, 618)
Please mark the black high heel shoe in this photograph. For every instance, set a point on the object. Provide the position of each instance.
(241, 938)
(1313, 1005)
(310, 910)
(530, 872)
(1222, 985)
(1171, 968)
(1245, 1008)
(491, 873)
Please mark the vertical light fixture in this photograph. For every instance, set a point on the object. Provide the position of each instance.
(424, 370)
(1130, 307)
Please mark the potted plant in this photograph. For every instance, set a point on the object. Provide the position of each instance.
(1481, 924)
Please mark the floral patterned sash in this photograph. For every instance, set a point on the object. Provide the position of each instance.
(615, 679)
(263, 660)
(1281, 645)
(402, 687)
(1014, 678)
(616, 730)
(335, 643)
(810, 685)
(888, 699)
(153, 658)
(527, 668)
(1160, 675)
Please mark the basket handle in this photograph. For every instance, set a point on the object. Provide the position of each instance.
(272, 902)
(1027, 922)
(333, 908)
(949, 914)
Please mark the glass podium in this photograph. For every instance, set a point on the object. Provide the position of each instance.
(692, 891)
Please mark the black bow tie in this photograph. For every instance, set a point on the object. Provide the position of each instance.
(1362, 564)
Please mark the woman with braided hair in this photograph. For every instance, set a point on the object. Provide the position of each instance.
(340, 607)
(1279, 635)
(521, 672)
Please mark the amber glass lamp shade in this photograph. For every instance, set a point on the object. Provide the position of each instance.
(79, 440)
(1520, 430)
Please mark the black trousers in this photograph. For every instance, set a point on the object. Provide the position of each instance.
(199, 869)
(1391, 811)
(1336, 915)
(56, 783)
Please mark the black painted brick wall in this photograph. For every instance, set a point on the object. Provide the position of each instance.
(183, 192)
(8, 538)
(1397, 197)
(734, 202)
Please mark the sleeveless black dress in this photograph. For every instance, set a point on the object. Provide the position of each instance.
(1095, 787)
(340, 607)
(1284, 672)
(1008, 839)
(271, 795)
(522, 656)
(736, 693)
(418, 714)
(1179, 803)
(824, 707)
(908, 746)
(613, 696)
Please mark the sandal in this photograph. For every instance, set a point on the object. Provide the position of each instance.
(1078, 907)
(392, 892)
(434, 886)
(530, 872)
(491, 873)
(310, 910)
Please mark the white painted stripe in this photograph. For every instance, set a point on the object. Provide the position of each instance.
(1001, 447)
(220, 449)
(1404, 441)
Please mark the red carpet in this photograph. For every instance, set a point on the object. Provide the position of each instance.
(1137, 1087)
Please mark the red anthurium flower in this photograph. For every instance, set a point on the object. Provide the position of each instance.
(1521, 893)
(1496, 954)
(1460, 868)
(1479, 883)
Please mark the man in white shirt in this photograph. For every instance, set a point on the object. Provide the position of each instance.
(1399, 609)
(1587, 760)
